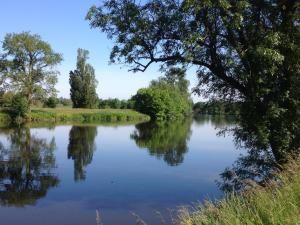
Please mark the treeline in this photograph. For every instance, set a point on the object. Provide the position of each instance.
(217, 108)
(115, 103)
(6, 101)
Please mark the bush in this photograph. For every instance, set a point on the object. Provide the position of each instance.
(20, 106)
(65, 101)
(6, 99)
(51, 102)
(162, 103)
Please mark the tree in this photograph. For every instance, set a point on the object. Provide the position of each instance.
(166, 98)
(175, 77)
(243, 50)
(19, 106)
(51, 102)
(26, 65)
(83, 83)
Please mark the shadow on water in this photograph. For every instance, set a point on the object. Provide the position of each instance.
(81, 148)
(164, 140)
(26, 168)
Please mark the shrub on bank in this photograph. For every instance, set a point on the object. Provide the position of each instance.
(19, 106)
(162, 103)
(51, 102)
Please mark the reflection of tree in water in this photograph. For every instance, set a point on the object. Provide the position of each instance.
(257, 167)
(26, 168)
(164, 140)
(253, 169)
(81, 148)
(219, 121)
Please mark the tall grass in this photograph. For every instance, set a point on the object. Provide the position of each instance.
(273, 205)
(85, 115)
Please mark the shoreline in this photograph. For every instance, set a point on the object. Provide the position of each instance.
(82, 116)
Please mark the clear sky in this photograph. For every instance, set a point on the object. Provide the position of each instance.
(62, 24)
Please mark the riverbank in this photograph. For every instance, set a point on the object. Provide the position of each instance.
(66, 115)
(272, 205)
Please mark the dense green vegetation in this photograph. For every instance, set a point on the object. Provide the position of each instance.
(83, 83)
(26, 66)
(216, 108)
(51, 102)
(166, 98)
(247, 51)
(273, 205)
(114, 103)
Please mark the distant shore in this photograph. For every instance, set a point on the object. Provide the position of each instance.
(67, 115)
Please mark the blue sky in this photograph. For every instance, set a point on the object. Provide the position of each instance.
(61, 23)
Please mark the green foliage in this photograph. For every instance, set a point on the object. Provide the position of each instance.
(245, 50)
(20, 106)
(83, 83)
(27, 65)
(65, 101)
(6, 99)
(165, 99)
(217, 108)
(51, 102)
(115, 104)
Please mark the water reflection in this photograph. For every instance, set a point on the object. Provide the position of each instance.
(250, 170)
(164, 140)
(26, 168)
(219, 121)
(81, 148)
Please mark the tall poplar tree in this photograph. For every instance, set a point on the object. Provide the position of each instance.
(83, 83)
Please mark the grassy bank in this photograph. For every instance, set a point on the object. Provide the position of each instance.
(65, 115)
(265, 206)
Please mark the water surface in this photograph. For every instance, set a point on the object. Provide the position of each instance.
(62, 175)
